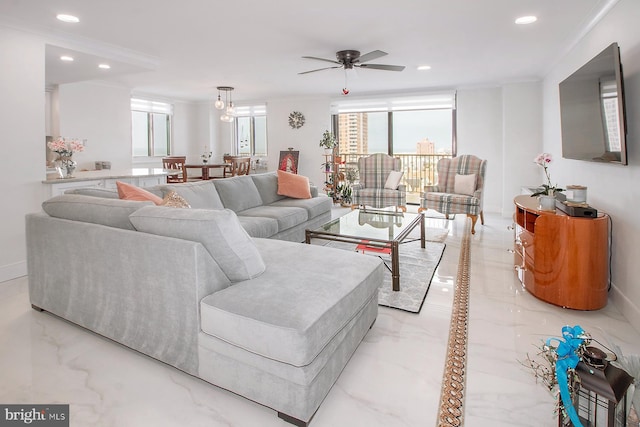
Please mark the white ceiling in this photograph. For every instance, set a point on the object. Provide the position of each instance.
(186, 48)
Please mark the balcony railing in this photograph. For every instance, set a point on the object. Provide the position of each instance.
(419, 170)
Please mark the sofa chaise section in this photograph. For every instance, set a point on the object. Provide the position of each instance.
(279, 331)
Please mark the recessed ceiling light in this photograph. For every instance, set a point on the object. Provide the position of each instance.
(66, 58)
(68, 18)
(523, 20)
(424, 67)
(104, 66)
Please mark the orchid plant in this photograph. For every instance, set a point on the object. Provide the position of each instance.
(543, 160)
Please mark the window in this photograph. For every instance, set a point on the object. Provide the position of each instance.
(150, 128)
(419, 130)
(251, 131)
(401, 125)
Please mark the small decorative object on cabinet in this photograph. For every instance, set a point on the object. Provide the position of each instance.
(559, 258)
(547, 203)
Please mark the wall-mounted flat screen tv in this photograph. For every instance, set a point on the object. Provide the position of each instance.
(592, 110)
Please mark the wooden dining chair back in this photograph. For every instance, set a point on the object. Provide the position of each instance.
(237, 166)
(175, 163)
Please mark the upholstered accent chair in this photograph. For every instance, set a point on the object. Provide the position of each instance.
(373, 189)
(459, 188)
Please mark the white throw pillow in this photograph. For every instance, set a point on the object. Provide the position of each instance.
(393, 180)
(465, 184)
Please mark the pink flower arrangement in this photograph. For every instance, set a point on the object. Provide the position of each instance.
(544, 159)
(64, 147)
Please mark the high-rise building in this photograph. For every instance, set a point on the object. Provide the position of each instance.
(353, 135)
(425, 147)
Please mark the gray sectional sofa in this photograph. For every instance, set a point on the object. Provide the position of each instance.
(202, 290)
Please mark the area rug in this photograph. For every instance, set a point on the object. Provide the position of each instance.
(417, 267)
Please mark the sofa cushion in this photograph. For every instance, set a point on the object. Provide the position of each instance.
(96, 210)
(292, 185)
(315, 206)
(107, 193)
(131, 192)
(393, 180)
(238, 193)
(465, 184)
(291, 314)
(174, 200)
(267, 185)
(257, 226)
(199, 195)
(287, 217)
(218, 230)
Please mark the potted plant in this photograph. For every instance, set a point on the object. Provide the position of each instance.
(547, 194)
(344, 194)
(328, 142)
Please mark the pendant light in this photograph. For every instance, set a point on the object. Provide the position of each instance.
(219, 104)
(227, 116)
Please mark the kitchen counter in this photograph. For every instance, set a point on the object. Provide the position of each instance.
(105, 178)
(91, 175)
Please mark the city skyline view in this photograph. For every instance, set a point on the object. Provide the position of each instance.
(368, 132)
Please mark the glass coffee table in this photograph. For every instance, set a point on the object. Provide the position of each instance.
(374, 229)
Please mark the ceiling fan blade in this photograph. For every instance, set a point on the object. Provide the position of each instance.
(375, 54)
(382, 67)
(319, 69)
(322, 59)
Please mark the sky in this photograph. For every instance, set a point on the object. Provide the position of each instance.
(409, 128)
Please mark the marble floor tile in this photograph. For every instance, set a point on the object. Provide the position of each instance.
(393, 379)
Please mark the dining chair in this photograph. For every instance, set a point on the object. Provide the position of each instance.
(238, 165)
(175, 162)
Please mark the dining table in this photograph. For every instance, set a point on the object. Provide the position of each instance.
(206, 167)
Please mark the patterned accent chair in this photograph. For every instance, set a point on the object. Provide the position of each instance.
(374, 171)
(456, 191)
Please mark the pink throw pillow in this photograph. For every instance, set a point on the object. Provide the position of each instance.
(292, 185)
(131, 192)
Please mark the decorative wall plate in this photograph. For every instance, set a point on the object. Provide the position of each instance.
(296, 119)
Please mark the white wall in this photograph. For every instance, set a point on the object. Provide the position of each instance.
(22, 108)
(305, 139)
(101, 114)
(611, 188)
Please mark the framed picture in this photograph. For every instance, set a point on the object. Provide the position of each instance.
(289, 161)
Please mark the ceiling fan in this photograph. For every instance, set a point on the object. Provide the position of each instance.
(348, 59)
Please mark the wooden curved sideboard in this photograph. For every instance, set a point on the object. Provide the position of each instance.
(561, 259)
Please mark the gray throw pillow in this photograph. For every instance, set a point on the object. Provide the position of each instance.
(200, 195)
(219, 231)
(96, 210)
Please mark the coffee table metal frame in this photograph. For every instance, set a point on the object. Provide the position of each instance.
(394, 243)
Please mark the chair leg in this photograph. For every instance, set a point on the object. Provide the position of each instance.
(446, 216)
(474, 218)
(482, 217)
